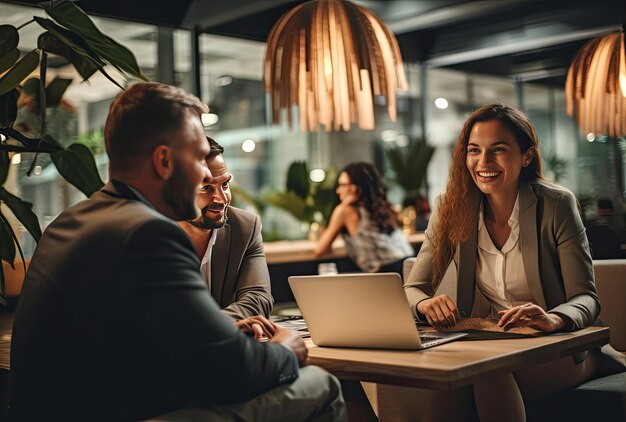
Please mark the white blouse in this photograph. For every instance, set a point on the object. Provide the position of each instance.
(500, 274)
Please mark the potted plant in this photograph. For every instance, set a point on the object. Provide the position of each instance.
(72, 35)
(309, 202)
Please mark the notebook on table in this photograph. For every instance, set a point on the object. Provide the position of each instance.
(361, 310)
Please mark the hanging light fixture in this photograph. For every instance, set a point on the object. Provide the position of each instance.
(595, 89)
(329, 58)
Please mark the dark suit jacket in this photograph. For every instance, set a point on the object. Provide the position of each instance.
(116, 323)
(240, 280)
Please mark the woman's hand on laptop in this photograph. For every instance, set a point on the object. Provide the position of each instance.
(258, 326)
(440, 311)
(292, 341)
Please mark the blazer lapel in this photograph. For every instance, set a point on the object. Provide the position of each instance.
(220, 257)
(529, 241)
(467, 272)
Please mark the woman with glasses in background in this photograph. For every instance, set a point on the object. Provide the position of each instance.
(366, 221)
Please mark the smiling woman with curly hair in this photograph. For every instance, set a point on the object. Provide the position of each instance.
(518, 249)
(366, 221)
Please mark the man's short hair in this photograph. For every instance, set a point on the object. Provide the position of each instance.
(216, 149)
(143, 117)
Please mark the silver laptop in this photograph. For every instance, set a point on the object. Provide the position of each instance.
(361, 310)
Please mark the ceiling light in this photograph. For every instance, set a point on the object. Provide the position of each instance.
(595, 89)
(248, 145)
(389, 135)
(317, 175)
(591, 137)
(37, 170)
(441, 103)
(330, 58)
(16, 159)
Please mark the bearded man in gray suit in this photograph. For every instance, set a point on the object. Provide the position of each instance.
(115, 322)
(230, 246)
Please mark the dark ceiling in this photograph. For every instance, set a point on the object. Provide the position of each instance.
(525, 39)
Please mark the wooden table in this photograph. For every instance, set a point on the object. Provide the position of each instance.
(454, 364)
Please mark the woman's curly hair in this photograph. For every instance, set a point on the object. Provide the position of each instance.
(372, 195)
(458, 208)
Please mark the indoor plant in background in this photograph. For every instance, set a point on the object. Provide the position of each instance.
(409, 167)
(309, 202)
(71, 34)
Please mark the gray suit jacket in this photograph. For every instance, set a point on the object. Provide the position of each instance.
(240, 280)
(115, 322)
(555, 251)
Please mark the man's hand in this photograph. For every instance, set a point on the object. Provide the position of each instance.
(440, 311)
(258, 326)
(291, 340)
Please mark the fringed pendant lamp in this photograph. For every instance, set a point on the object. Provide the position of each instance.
(596, 86)
(329, 58)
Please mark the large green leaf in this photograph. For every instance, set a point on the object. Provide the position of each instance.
(4, 220)
(70, 39)
(5, 165)
(30, 87)
(8, 108)
(77, 44)
(9, 39)
(72, 17)
(23, 211)
(83, 63)
(47, 144)
(77, 165)
(55, 91)
(17, 73)
(9, 59)
(7, 246)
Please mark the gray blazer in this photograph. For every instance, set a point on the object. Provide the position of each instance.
(555, 251)
(240, 280)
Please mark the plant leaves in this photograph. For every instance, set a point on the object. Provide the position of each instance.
(9, 39)
(298, 179)
(70, 39)
(290, 202)
(55, 91)
(7, 60)
(23, 211)
(409, 166)
(77, 165)
(5, 165)
(17, 243)
(8, 108)
(47, 144)
(19, 71)
(7, 247)
(30, 87)
(83, 63)
(72, 17)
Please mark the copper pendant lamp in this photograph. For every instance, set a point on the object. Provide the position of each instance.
(596, 86)
(329, 58)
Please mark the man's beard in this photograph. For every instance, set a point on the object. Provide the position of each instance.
(180, 196)
(204, 222)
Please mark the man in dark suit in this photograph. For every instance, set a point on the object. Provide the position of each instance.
(230, 246)
(115, 322)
